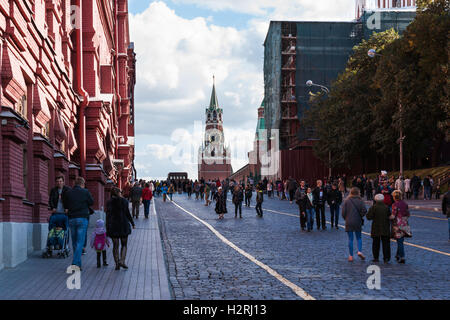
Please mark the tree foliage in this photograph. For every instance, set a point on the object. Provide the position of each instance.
(362, 114)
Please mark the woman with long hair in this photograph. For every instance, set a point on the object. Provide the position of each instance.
(118, 220)
(353, 212)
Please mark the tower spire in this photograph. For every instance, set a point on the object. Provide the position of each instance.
(214, 103)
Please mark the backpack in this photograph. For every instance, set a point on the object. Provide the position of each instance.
(100, 242)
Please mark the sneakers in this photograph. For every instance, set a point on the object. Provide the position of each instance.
(350, 258)
(361, 256)
(84, 251)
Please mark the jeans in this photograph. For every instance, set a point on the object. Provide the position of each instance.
(427, 193)
(236, 207)
(170, 196)
(334, 210)
(146, 207)
(350, 241)
(78, 229)
(400, 248)
(310, 218)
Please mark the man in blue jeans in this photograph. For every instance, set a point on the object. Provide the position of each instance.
(77, 202)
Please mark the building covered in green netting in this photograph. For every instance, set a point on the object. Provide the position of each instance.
(298, 51)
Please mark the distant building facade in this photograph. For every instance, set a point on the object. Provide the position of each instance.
(67, 72)
(214, 158)
(296, 52)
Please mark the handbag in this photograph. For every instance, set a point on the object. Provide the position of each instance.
(362, 218)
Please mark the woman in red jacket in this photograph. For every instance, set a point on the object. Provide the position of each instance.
(147, 196)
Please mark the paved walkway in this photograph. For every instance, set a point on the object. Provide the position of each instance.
(146, 278)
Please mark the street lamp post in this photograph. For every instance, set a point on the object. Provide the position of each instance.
(372, 53)
(310, 83)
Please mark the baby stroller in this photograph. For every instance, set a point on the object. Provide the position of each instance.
(58, 236)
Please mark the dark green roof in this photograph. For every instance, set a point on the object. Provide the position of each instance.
(214, 103)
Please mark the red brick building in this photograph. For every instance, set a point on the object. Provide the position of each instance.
(214, 159)
(67, 71)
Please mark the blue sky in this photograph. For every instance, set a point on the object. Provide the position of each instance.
(180, 45)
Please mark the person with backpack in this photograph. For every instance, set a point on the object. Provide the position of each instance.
(334, 200)
(353, 212)
(400, 226)
(99, 242)
(380, 232)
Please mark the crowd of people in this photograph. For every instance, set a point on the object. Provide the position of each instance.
(389, 213)
(71, 208)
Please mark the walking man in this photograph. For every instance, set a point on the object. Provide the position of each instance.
(135, 196)
(320, 197)
(334, 200)
(78, 200)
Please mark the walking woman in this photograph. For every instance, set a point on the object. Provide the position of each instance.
(400, 226)
(118, 220)
(379, 213)
(353, 212)
(309, 209)
(221, 203)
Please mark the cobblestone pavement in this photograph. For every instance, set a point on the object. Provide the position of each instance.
(201, 266)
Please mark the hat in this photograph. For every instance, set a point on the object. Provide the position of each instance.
(379, 197)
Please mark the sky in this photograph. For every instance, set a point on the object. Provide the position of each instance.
(180, 45)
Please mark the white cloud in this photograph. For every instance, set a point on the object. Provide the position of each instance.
(176, 59)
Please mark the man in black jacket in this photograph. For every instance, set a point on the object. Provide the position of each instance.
(334, 200)
(55, 200)
(300, 199)
(77, 201)
(320, 197)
